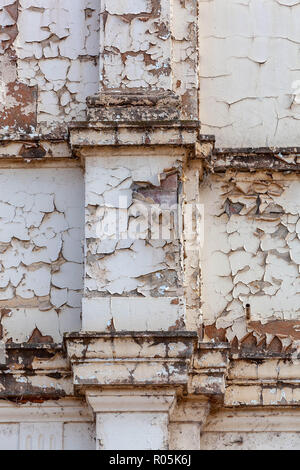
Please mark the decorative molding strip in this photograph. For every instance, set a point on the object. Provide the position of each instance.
(131, 358)
(64, 410)
(35, 371)
(276, 159)
(258, 420)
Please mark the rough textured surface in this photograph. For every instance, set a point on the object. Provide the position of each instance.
(244, 429)
(41, 232)
(125, 256)
(49, 56)
(145, 44)
(51, 62)
(177, 259)
(35, 372)
(126, 359)
(251, 441)
(250, 260)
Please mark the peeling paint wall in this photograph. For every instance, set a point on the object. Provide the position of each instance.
(131, 265)
(41, 253)
(151, 44)
(250, 71)
(55, 54)
(49, 55)
(131, 33)
(250, 259)
(97, 199)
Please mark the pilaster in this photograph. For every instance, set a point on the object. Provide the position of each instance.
(131, 419)
(186, 422)
(131, 381)
(134, 354)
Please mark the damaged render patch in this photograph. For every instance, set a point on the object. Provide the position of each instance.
(17, 99)
(49, 62)
(41, 231)
(251, 258)
(132, 246)
(144, 44)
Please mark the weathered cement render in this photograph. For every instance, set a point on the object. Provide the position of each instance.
(149, 262)
(249, 72)
(41, 252)
(256, 264)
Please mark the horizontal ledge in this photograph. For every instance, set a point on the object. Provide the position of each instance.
(119, 402)
(209, 345)
(280, 159)
(264, 382)
(124, 361)
(61, 410)
(255, 419)
(34, 346)
(257, 150)
(132, 334)
(98, 125)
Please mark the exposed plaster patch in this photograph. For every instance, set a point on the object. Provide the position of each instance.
(133, 262)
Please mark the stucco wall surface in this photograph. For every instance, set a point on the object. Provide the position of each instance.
(41, 252)
(251, 254)
(49, 63)
(250, 71)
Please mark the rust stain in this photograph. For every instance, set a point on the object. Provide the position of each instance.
(17, 117)
(283, 327)
(214, 333)
(37, 337)
(18, 109)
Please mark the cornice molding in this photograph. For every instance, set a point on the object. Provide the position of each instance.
(64, 410)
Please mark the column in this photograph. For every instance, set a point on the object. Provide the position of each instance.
(127, 420)
(141, 129)
(187, 421)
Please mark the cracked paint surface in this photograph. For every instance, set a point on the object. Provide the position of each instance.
(41, 255)
(250, 259)
(18, 101)
(139, 264)
(244, 284)
(250, 71)
(49, 54)
(54, 55)
(150, 44)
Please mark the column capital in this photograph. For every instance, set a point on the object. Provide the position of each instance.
(134, 118)
(136, 106)
(131, 401)
(191, 409)
(131, 419)
(130, 359)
